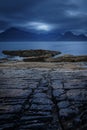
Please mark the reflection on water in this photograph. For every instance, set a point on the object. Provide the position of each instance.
(75, 48)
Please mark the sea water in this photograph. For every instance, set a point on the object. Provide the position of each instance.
(73, 48)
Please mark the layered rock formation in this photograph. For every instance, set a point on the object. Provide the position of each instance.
(43, 99)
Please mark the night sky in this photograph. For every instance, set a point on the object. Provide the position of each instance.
(45, 15)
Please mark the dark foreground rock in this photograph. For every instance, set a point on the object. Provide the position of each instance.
(3, 60)
(37, 58)
(68, 58)
(31, 53)
(65, 58)
(43, 99)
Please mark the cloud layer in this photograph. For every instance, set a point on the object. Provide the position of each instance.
(65, 15)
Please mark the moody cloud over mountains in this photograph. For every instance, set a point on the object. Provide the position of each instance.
(63, 15)
(14, 34)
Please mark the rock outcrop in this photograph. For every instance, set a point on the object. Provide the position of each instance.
(68, 58)
(31, 53)
(37, 58)
(43, 99)
(45, 56)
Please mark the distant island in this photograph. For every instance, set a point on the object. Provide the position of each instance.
(16, 34)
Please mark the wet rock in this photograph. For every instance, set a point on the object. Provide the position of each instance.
(75, 84)
(8, 126)
(40, 118)
(62, 97)
(42, 101)
(10, 108)
(58, 92)
(77, 95)
(40, 95)
(14, 93)
(63, 104)
(36, 107)
(36, 126)
(67, 113)
(57, 84)
(39, 99)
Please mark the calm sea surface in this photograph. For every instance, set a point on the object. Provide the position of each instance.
(75, 48)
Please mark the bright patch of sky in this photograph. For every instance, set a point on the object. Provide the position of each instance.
(39, 26)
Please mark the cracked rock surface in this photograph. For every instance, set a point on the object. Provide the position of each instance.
(43, 99)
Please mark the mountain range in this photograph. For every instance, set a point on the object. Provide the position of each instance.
(14, 34)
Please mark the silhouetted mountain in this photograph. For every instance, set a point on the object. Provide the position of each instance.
(69, 36)
(82, 36)
(14, 34)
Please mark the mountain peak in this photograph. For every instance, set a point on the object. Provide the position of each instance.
(17, 34)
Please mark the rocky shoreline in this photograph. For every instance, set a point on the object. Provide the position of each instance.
(45, 95)
(31, 53)
(43, 56)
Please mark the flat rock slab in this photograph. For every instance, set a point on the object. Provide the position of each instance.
(31, 53)
(43, 99)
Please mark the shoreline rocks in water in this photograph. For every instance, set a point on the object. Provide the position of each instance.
(31, 53)
(37, 58)
(44, 56)
(65, 58)
(68, 58)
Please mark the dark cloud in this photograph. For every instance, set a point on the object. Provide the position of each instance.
(3, 25)
(62, 14)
